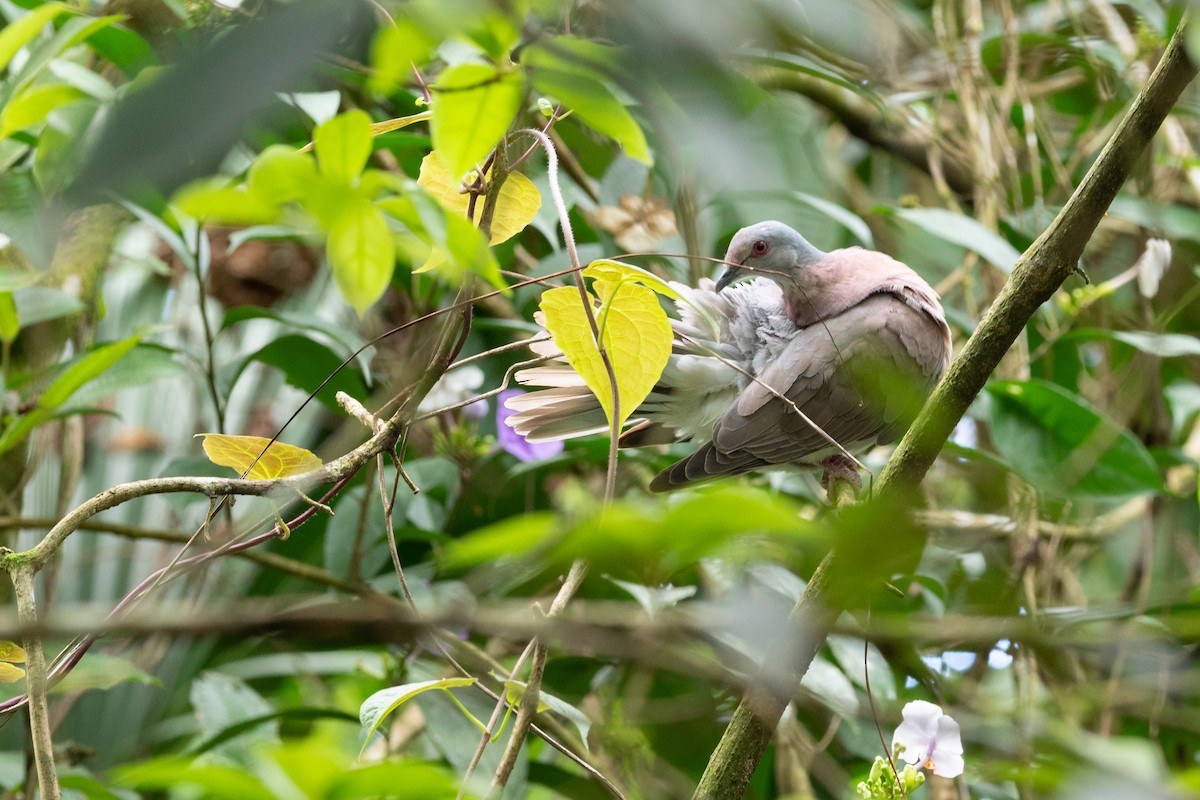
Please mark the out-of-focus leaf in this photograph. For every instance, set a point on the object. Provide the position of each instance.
(10, 321)
(341, 335)
(343, 145)
(280, 174)
(1176, 221)
(655, 598)
(516, 206)
(62, 144)
(40, 303)
(10, 673)
(361, 254)
(12, 652)
(634, 331)
(376, 707)
(397, 49)
(221, 702)
(405, 780)
(153, 138)
(1163, 345)
(473, 105)
(847, 218)
(1062, 444)
(571, 71)
(960, 230)
(102, 671)
(17, 33)
(257, 457)
(219, 200)
(831, 686)
(31, 107)
(209, 779)
(142, 365)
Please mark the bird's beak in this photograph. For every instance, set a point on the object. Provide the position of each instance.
(728, 276)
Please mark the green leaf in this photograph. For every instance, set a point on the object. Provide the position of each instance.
(473, 105)
(361, 254)
(31, 107)
(1176, 221)
(207, 779)
(1062, 444)
(571, 75)
(516, 206)
(848, 219)
(19, 33)
(377, 707)
(343, 145)
(1163, 345)
(218, 200)
(85, 369)
(10, 321)
(960, 230)
(102, 671)
(280, 174)
(634, 331)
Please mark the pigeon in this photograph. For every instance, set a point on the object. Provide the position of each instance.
(822, 356)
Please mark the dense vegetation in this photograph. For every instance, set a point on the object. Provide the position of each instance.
(332, 223)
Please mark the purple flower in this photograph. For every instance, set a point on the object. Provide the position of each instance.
(930, 739)
(515, 443)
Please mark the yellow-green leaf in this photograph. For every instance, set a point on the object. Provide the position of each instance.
(280, 174)
(11, 652)
(31, 106)
(362, 254)
(10, 321)
(378, 706)
(251, 456)
(217, 200)
(634, 330)
(343, 145)
(473, 105)
(10, 673)
(389, 125)
(605, 269)
(514, 693)
(516, 206)
(17, 34)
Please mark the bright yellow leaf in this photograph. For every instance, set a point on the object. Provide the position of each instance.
(604, 269)
(246, 455)
(516, 206)
(10, 673)
(11, 652)
(635, 332)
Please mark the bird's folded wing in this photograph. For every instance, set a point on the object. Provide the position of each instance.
(858, 378)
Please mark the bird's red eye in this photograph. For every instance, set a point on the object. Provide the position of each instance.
(760, 248)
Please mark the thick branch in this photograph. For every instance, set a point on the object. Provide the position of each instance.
(1036, 276)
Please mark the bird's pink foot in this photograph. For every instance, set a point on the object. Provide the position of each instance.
(838, 467)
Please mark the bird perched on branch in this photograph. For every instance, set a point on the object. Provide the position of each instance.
(824, 356)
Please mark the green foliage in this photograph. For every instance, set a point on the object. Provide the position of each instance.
(285, 182)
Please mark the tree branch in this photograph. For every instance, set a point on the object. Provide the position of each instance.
(1036, 276)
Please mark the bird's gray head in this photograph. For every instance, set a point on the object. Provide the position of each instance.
(771, 248)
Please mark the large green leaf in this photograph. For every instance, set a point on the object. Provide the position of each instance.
(1163, 345)
(959, 229)
(343, 145)
(473, 105)
(1062, 444)
(305, 364)
(560, 69)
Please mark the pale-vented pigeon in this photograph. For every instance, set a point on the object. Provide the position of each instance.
(852, 338)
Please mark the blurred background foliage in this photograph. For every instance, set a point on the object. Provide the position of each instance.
(150, 188)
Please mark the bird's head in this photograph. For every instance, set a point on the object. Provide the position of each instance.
(771, 248)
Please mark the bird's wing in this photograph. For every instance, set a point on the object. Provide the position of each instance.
(860, 377)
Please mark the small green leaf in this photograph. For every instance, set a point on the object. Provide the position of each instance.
(473, 105)
(376, 707)
(343, 145)
(1062, 444)
(20, 32)
(217, 200)
(361, 254)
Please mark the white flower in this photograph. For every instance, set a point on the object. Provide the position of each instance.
(929, 738)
